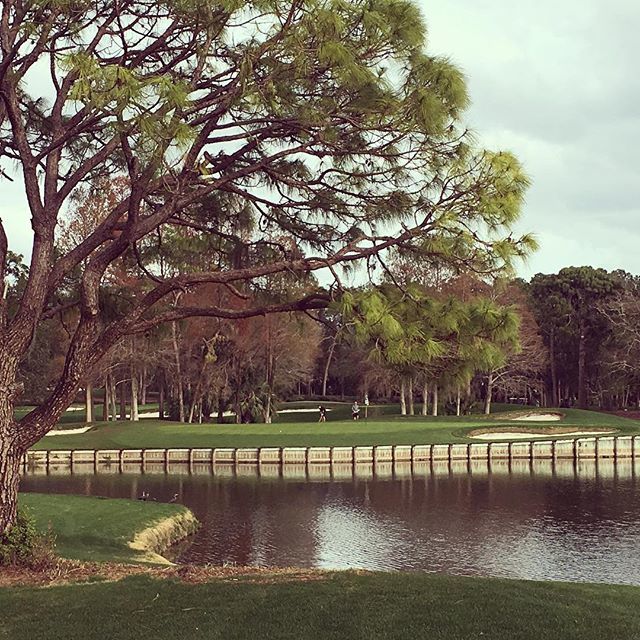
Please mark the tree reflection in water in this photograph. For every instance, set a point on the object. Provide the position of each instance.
(540, 520)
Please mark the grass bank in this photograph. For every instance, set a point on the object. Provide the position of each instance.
(98, 529)
(337, 605)
(293, 430)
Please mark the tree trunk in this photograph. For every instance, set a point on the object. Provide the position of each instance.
(403, 397)
(161, 400)
(325, 375)
(123, 400)
(270, 374)
(196, 398)
(143, 385)
(9, 474)
(582, 356)
(487, 397)
(425, 399)
(267, 410)
(107, 397)
(238, 410)
(555, 396)
(113, 411)
(458, 402)
(135, 416)
(410, 393)
(176, 355)
(89, 402)
(105, 403)
(434, 407)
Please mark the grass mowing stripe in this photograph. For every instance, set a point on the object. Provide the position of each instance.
(343, 605)
(380, 430)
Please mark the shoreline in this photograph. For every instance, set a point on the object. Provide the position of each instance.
(95, 529)
(73, 572)
(161, 536)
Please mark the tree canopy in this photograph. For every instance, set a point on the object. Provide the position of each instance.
(325, 127)
(568, 303)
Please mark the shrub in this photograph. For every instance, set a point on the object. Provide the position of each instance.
(24, 545)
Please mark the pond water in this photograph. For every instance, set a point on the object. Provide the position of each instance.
(562, 521)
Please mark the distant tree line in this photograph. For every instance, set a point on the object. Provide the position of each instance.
(431, 341)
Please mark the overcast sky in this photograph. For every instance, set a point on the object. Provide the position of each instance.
(554, 81)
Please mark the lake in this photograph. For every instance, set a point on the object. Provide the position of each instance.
(541, 520)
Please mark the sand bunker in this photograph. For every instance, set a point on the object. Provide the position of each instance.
(528, 435)
(539, 417)
(66, 432)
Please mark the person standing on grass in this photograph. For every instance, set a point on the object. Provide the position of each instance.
(355, 410)
(323, 414)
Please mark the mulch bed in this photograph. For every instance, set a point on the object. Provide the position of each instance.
(62, 571)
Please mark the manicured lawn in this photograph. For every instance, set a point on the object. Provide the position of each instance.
(340, 605)
(297, 429)
(98, 529)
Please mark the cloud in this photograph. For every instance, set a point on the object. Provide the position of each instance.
(15, 217)
(555, 82)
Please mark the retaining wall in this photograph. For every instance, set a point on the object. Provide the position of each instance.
(609, 447)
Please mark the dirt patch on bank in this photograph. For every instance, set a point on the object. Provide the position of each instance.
(63, 572)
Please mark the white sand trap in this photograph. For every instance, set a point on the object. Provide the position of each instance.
(520, 435)
(66, 432)
(539, 417)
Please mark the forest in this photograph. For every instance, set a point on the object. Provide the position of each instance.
(435, 341)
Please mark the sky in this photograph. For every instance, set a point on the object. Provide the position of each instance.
(555, 82)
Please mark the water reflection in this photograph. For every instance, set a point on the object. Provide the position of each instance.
(542, 520)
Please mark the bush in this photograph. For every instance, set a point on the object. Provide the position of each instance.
(24, 545)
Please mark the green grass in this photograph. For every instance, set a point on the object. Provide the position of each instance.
(95, 529)
(343, 605)
(383, 427)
